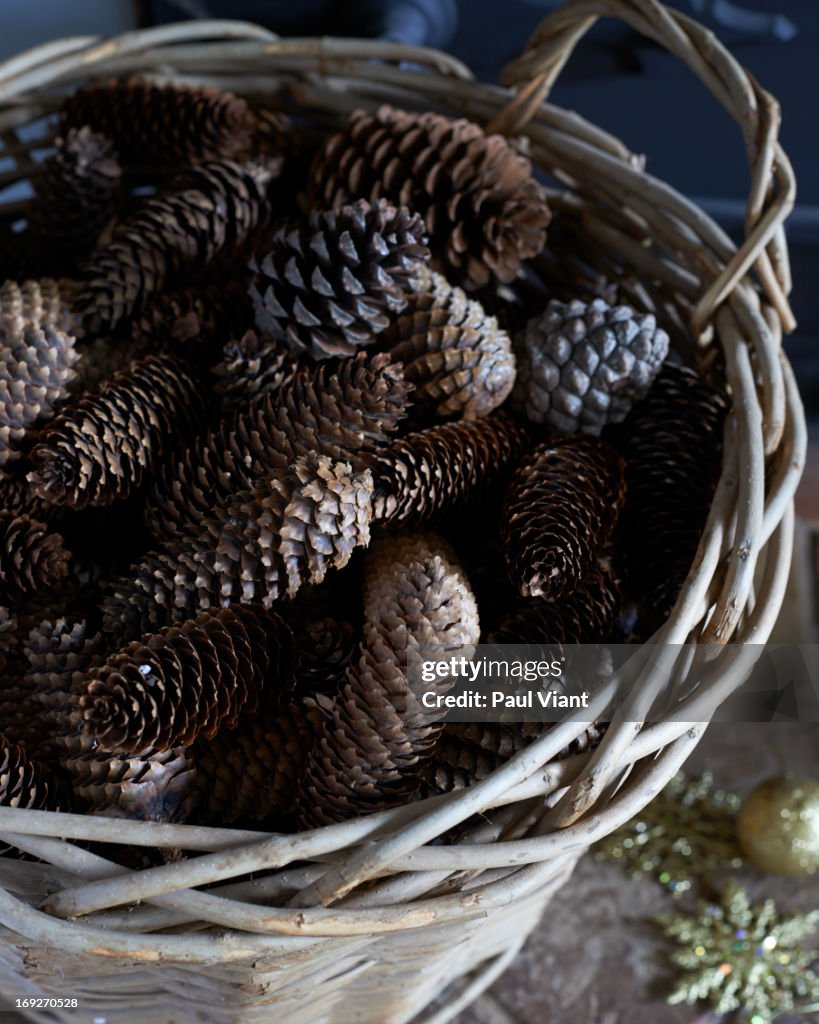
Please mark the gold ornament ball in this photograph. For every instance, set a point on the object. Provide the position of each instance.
(778, 826)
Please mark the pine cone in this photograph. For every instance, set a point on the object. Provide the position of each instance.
(329, 286)
(220, 203)
(188, 681)
(468, 752)
(102, 448)
(8, 636)
(559, 514)
(16, 498)
(584, 616)
(31, 558)
(582, 366)
(42, 303)
(672, 443)
(74, 198)
(252, 772)
(195, 319)
(377, 734)
(58, 653)
(264, 543)
(36, 369)
(458, 359)
(23, 783)
(337, 411)
(252, 368)
(149, 787)
(440, 470)
(325, 649)
(172, 125)
(483, 209)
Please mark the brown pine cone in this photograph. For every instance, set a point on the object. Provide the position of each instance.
(36, 369)
(148, 787)
(377, 734)
(58, 654)
(24, 783)
(187, 681)
(439, 471)
(8, 636)
(584, 616)
(325, 649)
(219, 204)
(338, 411)
(560, 510)
(16, 498)
(252, 368)
(252, 771)
(264, 543)
(195, 319)
(470, 751)
(458, 359)
(672, 443)
(31, 558)
(483, 209)
(103, 447)
(328, 287)
(40, 303)
(74, 198)
(172, 125)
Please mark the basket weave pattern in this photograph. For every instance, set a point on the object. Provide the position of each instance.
(369, 920)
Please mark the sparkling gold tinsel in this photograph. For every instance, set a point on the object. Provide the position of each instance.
(687, 832)
(743, 957)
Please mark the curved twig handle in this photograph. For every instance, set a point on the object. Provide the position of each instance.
(773, 187)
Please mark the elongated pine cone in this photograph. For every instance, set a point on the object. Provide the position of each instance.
(74, 198)
(377, 734)
(36, 370)
(483, 209)
(58, 652)
(252, 368)
(24, 783)
(263, 544)
(672, 443)
(104, 446)
(195, 319)
(560, 511)
(584, 616)
(437, 471)
(31, 558)
(253, 771)
(458, 359)
(188, 681)
(325, 649)
(582, 366)
(328, 287)
(41, 303)
(337, 411)
(161, 126)
(220, 203)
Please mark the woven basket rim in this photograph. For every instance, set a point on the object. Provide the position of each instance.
(750, 526)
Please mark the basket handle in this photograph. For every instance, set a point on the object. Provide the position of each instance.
(773, 187)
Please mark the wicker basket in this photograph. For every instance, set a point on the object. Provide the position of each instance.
(370, 920)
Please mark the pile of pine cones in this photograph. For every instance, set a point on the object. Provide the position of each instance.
(270, 419)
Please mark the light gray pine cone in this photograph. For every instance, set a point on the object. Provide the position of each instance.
(583, 365)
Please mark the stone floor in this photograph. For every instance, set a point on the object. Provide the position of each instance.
(597, 958)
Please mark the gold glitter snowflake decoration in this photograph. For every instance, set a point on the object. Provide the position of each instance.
(688, 832)
(741, 957)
